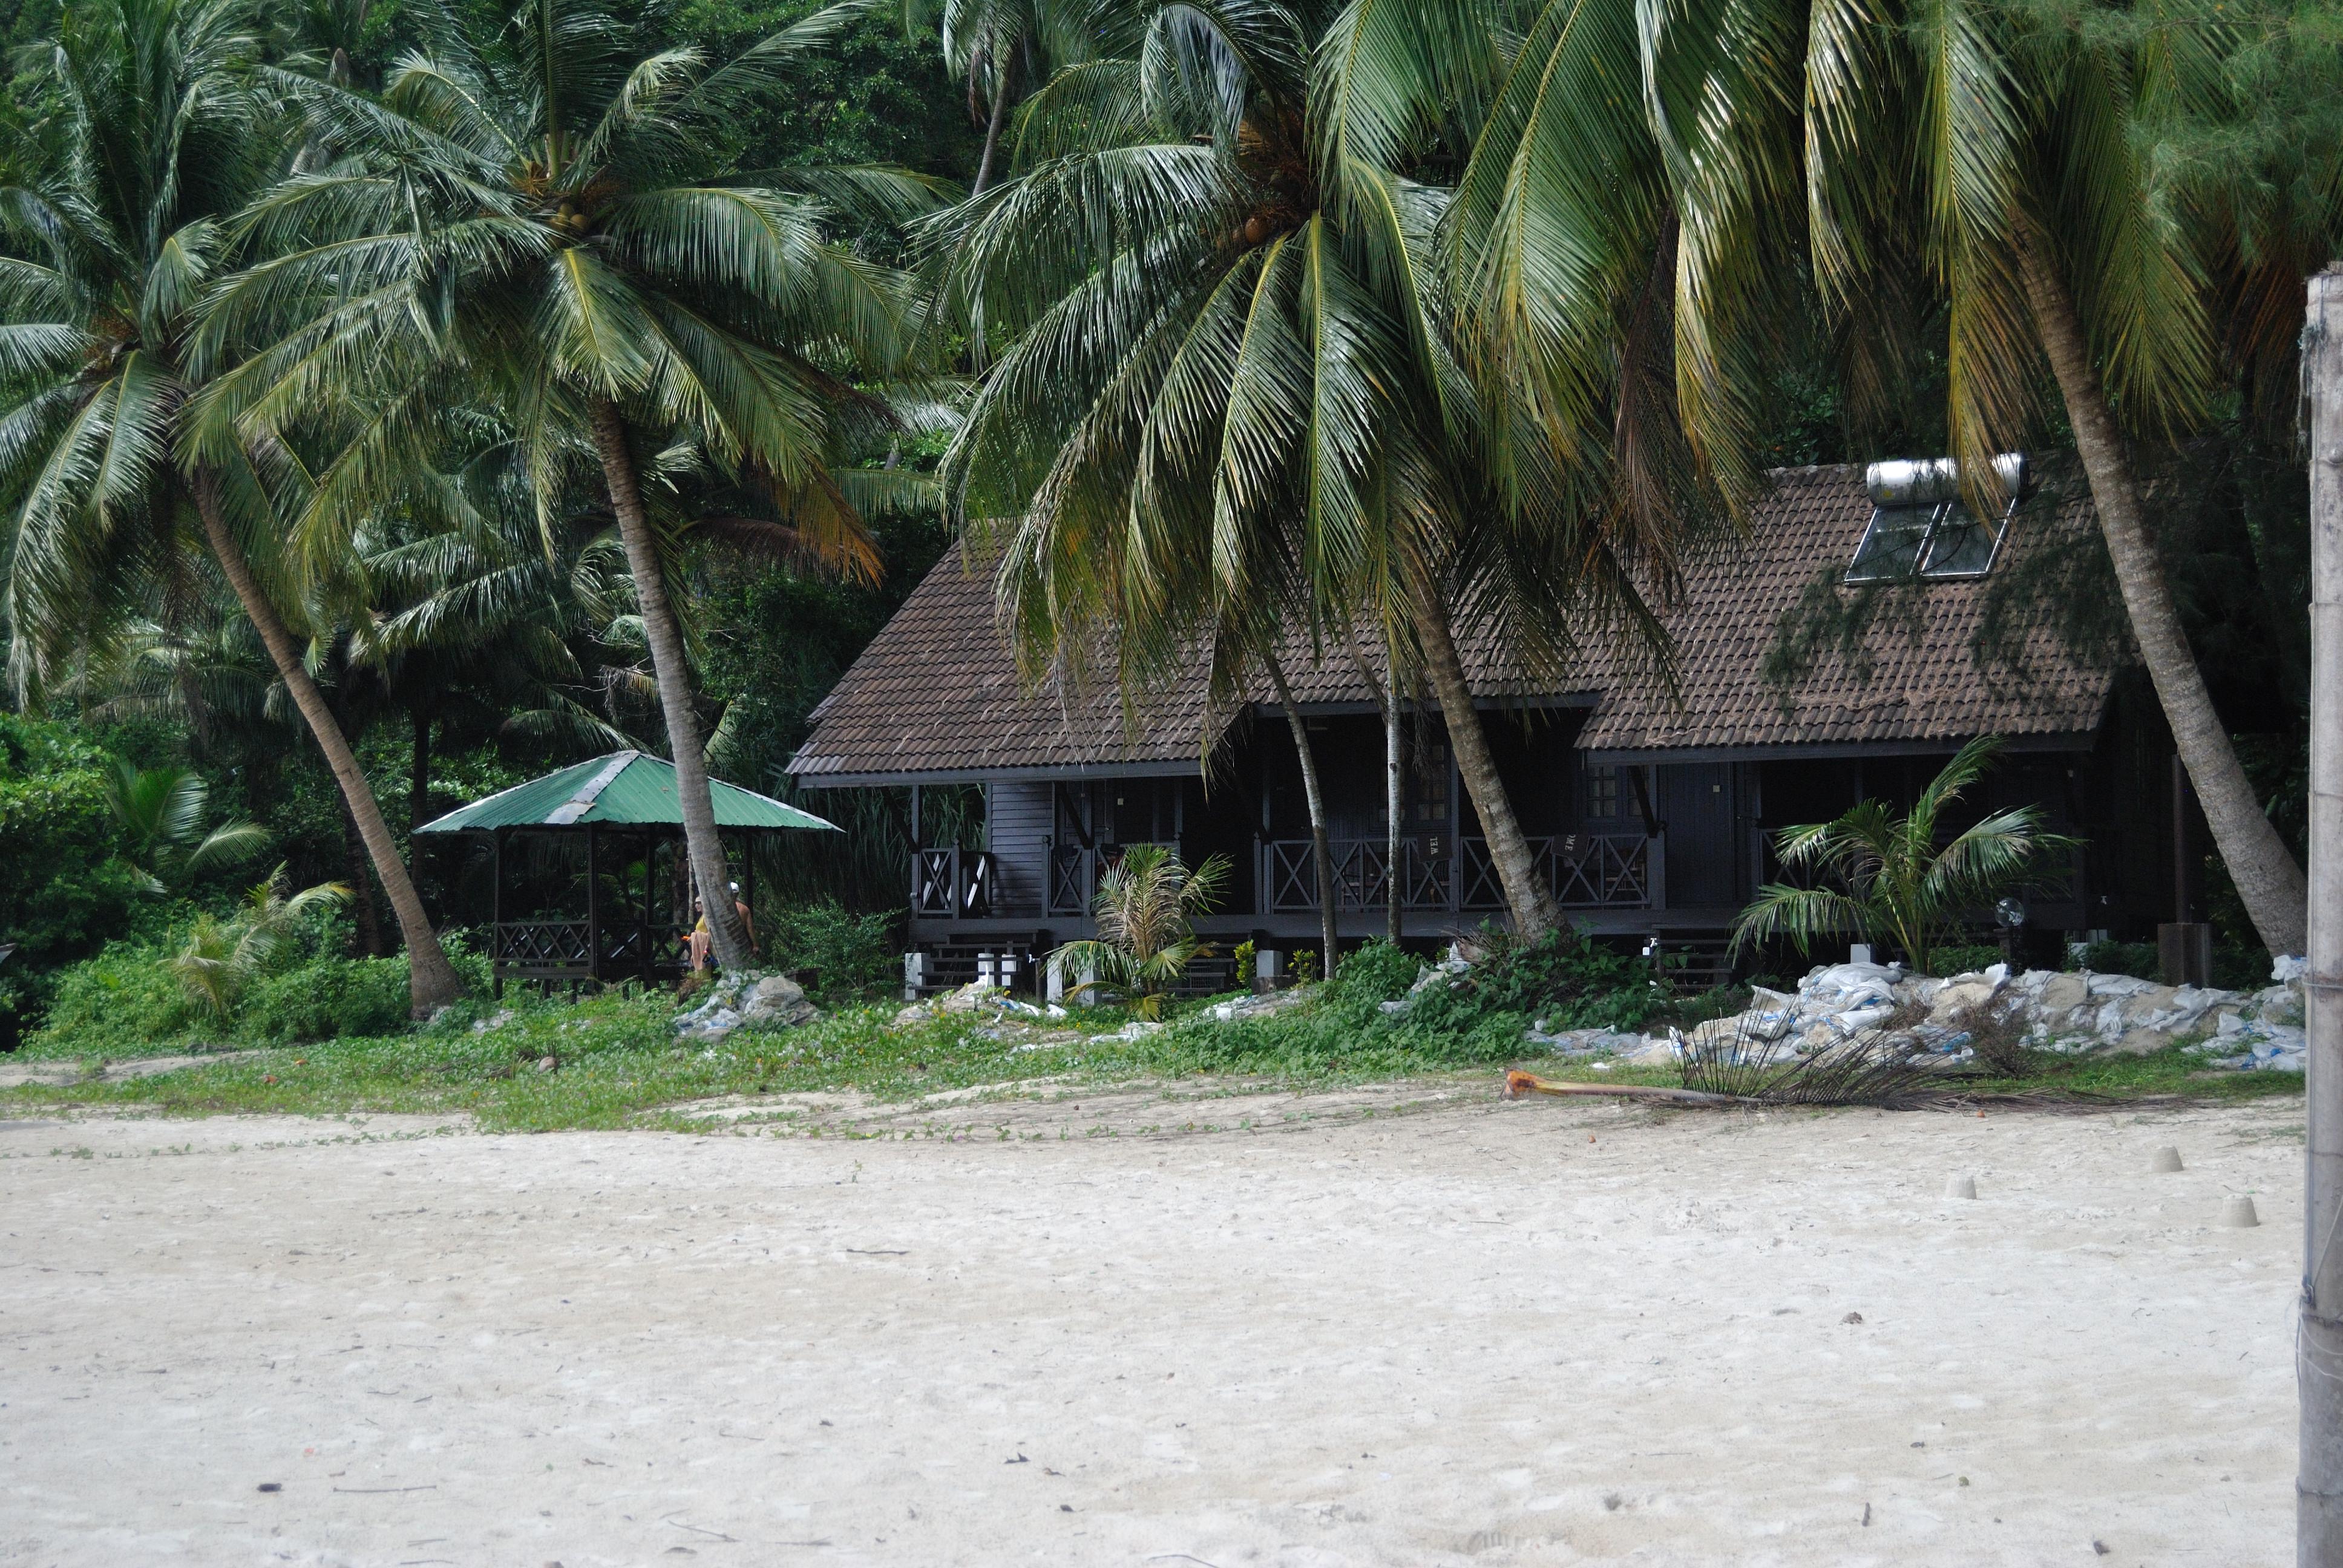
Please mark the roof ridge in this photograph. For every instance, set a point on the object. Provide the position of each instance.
(578, 804)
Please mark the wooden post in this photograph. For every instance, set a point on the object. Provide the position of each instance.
(1394, 867)
(497, 913)
(749, 842)
(2318, 1345)
(647, 926)
(593, 911)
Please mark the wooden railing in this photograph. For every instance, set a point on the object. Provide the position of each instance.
(1075, 871)
(1581, 870)
(559, 950)
(953, 884)
(543, 947)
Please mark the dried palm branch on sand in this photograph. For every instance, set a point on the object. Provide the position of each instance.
(1889, 1068)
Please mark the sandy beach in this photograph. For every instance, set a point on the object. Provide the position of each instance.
(1358, 1332)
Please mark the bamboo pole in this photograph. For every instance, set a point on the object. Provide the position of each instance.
(2319, 1343)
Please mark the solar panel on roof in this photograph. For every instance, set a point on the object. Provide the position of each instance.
(1920, 526)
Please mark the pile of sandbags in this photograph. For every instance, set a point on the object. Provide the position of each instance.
(746, 1001)
(2069, 1011)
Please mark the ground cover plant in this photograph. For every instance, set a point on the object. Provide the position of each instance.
(613, 1060)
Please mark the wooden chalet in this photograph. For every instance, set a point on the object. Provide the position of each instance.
(1652, 811)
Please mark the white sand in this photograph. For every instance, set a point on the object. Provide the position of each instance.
(1472, 1332)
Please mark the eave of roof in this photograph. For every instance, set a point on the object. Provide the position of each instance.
(625, 789)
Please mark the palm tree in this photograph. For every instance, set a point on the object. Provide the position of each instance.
(1229, 405)
(1889, 878)
(221, 957)
(539, 215)
(1146, 904)
(1004, 49)
(113, 229)
(2005, 156)
(2011, 159)
(161, 811)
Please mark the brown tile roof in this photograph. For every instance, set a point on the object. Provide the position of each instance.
(937, 690)
(1913, 677)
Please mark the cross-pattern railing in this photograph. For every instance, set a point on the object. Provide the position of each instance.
(1581, 871)
(529, 945)
(1075, 871)
(560, 949)
(953, 884)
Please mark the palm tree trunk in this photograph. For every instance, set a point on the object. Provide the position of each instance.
(368, 936)
(701, 845)
(1320, 849)
(1526, 899)
(1386, 699)
(993, 123)
(418, 773)
(2267, 879)
(432, 982)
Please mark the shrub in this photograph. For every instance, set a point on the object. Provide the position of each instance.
(125, 999)
(128, 1000)
(1474, 1019)
(62, 891)
(1961, 960)
(1146, 905)
(326, 999)
(854, 957)
(1564, 978)
(2138, 959)
(1377, 972)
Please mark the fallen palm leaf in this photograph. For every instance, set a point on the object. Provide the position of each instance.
(1887, 1068)
(1519, 1084)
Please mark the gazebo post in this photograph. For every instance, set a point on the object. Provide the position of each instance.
(749, 876)
(650, 884)
(496, 914)
(593, 911)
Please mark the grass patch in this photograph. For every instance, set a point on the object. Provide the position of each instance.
(617, 1062)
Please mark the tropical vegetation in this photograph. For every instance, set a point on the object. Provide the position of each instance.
(1145, 909)
(399, 401)
(1903, 879)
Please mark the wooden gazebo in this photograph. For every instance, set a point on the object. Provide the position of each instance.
(591, 881)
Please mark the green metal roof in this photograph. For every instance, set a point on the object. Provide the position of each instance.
(626, 787)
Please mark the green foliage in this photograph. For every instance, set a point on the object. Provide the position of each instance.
(123, 1002)
(1564, 978)
(62, 890)
(2138, 959)
(161, 810)
(222, 957)
(1477, 1018)
(133, 998)
(855, 958)
(335, 998)
(878, 95)
(1888, 880)
(1378, 973)
(1145, 942)
(1963, 958)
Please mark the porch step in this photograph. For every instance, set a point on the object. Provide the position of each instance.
(952, 962)
(1696, 963)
